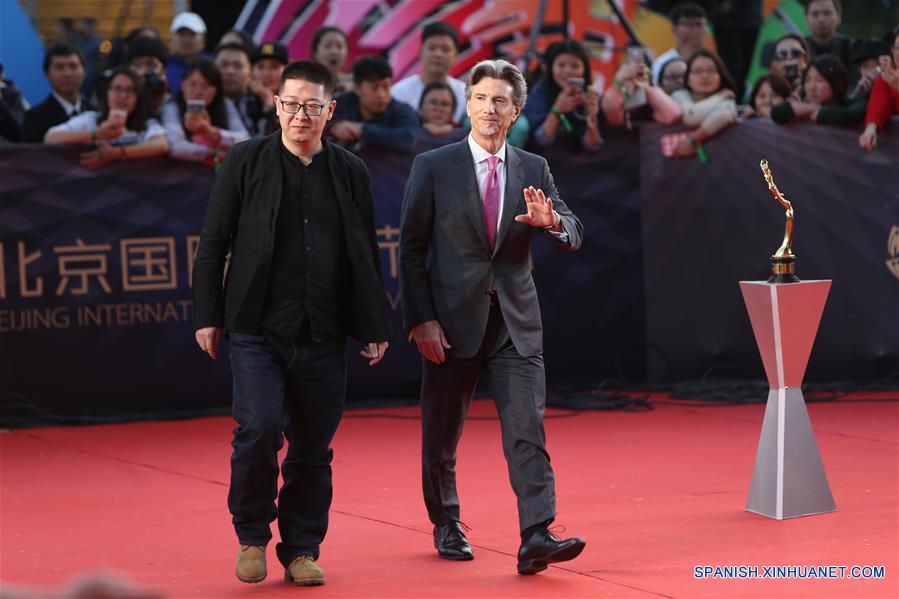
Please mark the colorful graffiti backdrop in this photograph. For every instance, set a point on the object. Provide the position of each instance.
(487, 28)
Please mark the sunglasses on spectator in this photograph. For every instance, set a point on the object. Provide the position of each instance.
(294, 107)
(786, 53)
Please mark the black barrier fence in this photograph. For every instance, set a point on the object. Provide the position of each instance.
(95, 310)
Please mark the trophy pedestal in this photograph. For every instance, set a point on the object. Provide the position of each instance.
(788, 479)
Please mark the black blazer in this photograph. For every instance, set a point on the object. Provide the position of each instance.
(40, 118)
(241, 217)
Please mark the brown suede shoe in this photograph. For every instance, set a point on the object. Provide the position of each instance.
(305, 572)
(251, 563)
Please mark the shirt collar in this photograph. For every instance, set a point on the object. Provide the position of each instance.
(316, 158)
(66, 105)
(480, 154)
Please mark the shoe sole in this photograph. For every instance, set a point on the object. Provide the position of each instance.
(253, 580)
(457, 558)
(306, 582)
(533, 566)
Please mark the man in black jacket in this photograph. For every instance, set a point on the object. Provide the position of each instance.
(64, 69)
(296, 213)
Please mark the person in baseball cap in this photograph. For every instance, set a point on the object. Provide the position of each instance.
(188, 42)
(268, 61)
(271, 51)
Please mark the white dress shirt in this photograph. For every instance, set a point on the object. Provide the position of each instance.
(71, 109)
(481, 168)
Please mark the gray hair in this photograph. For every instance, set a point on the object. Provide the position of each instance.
(499, 69)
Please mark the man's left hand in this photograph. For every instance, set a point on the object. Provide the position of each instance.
(540, 209)
(374, 352)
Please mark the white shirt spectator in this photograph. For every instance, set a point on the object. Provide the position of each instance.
(659, 62)
(409, 90)
(713, 114)
(71, 109)
(90, 120)
(183, 149)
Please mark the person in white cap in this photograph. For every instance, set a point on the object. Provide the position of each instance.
(188, 42)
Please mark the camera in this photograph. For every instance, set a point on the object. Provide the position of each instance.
(155, 84)
(791, 71)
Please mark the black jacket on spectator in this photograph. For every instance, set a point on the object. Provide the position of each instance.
(12, 111)
(394, 129)
(840, 46)
(48, 113)
(242, 216)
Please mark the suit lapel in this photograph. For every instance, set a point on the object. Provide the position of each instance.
(512, 194)
(469, 192)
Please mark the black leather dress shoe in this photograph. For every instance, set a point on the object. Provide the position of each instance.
(544, 548)
(451, 543)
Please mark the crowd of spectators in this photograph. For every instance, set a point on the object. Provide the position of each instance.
(178, 99)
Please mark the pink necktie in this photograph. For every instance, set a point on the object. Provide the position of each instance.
(491, 200)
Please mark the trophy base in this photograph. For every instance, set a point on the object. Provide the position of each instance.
(783, 270)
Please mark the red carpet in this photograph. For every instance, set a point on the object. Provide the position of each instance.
(655, 494)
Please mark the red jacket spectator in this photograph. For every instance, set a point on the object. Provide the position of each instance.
(883, 103)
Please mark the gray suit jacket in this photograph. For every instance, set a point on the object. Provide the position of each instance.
(442, 214)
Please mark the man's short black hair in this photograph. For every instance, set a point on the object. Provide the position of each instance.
(61, 50)
(688, 10)
(233, 46)
(440, 28)
(837, 6)
(371, 68)
(312, 72)
(148, 46)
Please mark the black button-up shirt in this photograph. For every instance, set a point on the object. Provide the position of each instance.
(306, 287)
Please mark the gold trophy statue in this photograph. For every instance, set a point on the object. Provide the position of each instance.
(788, 479)
(783, 262)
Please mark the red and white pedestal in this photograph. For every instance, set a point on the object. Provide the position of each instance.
(788, 479)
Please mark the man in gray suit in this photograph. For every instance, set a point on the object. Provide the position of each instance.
(473, 307)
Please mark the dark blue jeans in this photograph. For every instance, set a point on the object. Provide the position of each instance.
(293, 390)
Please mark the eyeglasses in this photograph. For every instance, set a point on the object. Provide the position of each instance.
(439, 104)
(692, 24)
(786, 53)
(673, 77)
(193, 86)
(308, 108)
(704, 72)
(123, 91)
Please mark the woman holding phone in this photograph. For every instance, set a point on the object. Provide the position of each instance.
(825, 86)
(120, 130)
(564, 104)
(200, 122)
(632, 96)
